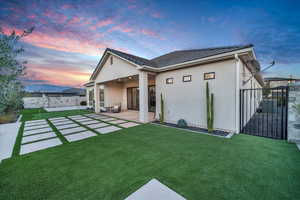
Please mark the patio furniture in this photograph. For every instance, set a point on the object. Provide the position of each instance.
(116, 108)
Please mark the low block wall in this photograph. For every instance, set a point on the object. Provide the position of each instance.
(293, 118)
(51, 102)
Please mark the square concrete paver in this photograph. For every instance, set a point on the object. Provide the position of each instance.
(35, 121)
(36, 131)
(154, 190)
(57, 118)
(77, 117)
(82, 120)
(100, 117)
(59, 127)
(35, 124)
(27, 128)
(98, 125)
(36, 146)
(89, 122)
(80, 136)
(107, 129)
(62, 123)
(118, 121)
(32, 138)
(72, 130)
(129, 124)
(108, 119)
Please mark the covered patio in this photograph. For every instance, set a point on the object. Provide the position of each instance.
(132, 115)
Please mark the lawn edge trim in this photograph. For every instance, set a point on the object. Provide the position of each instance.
(17, 146)
(84, 126)
(59, 135)
(225, 137)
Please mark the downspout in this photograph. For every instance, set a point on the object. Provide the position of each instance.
(237, 93)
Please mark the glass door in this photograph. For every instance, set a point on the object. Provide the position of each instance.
(133, 98)
(133, 102)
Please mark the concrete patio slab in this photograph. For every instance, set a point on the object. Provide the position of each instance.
(27, 128)
(80, 136)
(36, 131)
(81, 117)
(66, 126)
(75, 116)
(57, 118)
(108, 119)
(32, 138)
(89, 122)
(82, 120)
(36, 124)
(62, 123)
(128, 124)
(107, 129)
(154, 190)
(100, 117)
(99, 125)
(36, 146)
(72, 130)
(8, 135)
(118, 121)
(35, 121)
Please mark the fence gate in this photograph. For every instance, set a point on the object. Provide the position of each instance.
(263, 112)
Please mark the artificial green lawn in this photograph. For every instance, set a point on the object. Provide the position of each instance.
(197, 166)
(40, 113)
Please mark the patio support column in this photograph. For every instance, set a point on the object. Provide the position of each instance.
(143, 97)
(97, 98)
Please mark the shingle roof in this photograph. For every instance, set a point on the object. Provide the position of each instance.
(180, 56)
(132, 58)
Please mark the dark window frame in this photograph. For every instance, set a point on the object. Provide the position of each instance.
(190, 78)
(209, 73)
(167, 79)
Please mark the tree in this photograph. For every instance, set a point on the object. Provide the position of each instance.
(11, 69)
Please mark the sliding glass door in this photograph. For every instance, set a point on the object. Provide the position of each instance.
(133, 98)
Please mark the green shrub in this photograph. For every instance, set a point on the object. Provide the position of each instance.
(181, 123)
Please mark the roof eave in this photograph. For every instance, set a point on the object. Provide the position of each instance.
(197, 61)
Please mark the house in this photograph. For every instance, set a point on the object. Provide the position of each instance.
(137, 83)
(273, 82)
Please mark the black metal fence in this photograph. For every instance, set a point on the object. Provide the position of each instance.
(263, 112)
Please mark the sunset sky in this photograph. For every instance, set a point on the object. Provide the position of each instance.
(70, 36)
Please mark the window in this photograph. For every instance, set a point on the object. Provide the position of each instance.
(209, 75)
(187, 78)
(111, 60)
(169, 81)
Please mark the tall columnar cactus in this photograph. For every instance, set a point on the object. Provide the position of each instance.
(162, 112)
(209, 109)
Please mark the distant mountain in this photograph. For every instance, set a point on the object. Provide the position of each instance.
(79, 91)
(45, 88)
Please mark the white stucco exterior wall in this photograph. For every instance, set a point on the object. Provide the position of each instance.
(118, 69)
(187, 100)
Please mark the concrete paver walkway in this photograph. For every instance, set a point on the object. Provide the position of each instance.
(154, 190)
(8, 135)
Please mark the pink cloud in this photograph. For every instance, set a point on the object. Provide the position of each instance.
(75, 20)
(57, 75)
(151, 33)
(101, 23)
(122, 28)
(62, 41)
(32, 16)
(156, 15)
(67, 6)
